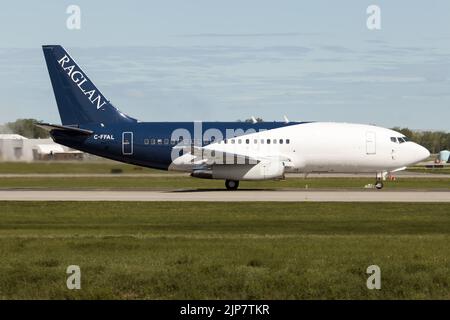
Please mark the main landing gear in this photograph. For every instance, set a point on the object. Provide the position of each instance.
(379, 183)
(231, 184)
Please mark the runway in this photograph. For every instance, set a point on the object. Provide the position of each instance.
(415, 175)
(229, 196)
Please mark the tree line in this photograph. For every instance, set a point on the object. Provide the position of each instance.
(434, 141)
(26, 128)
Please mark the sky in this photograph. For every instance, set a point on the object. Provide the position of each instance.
(186, 60)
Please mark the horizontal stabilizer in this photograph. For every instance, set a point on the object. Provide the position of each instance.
(50, 127)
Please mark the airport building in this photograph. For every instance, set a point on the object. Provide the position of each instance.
(14, 147)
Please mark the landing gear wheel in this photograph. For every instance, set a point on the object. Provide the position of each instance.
(231, 184)
(379, 180)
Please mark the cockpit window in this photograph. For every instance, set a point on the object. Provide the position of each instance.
(399, 139)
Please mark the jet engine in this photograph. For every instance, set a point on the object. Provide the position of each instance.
(261, 171)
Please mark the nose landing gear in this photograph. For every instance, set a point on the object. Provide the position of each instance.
(379, 182)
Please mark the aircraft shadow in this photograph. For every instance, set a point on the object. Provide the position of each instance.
(216, 190)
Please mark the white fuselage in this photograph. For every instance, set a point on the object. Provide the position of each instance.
(322, 147)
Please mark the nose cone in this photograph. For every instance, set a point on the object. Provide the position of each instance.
(421, 153)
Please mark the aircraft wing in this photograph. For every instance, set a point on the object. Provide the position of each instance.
(209, 156)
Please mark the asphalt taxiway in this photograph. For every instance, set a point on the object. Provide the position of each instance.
(228, 196)
(401, 174)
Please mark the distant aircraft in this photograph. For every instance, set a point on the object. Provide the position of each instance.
(231, 151)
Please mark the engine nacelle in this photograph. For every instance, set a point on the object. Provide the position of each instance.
(261, 171)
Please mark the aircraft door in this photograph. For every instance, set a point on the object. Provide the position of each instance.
(127, 143)
(371, 142)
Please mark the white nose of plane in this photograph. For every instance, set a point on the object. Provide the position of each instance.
(420, 153)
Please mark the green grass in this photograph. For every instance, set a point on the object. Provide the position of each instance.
(177, 182)
(72, 167)
(105, 166)
(445, 170)
(224, 250)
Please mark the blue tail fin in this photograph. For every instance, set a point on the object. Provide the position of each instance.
(78, 99)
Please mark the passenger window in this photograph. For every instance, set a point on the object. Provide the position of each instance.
(274, 141)
(146, 141)
(262, 141)
(288, 141)
(232, 141)
(268, 141)
(281, 141)
(166, 141)
(239, 141)
(152, 141)
(255, 141)
(159, 141)
(247, 141)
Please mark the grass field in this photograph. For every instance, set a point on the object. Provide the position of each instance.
(107, 166)
(177, 182)
(445, 170)
(169, 181)
(97, 167)
(224, 250)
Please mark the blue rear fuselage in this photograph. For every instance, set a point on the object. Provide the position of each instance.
(112, 134)
(150, 144)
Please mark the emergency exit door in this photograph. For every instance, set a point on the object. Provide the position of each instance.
(127, 143)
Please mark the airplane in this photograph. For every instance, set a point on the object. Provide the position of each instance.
(230, 151)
